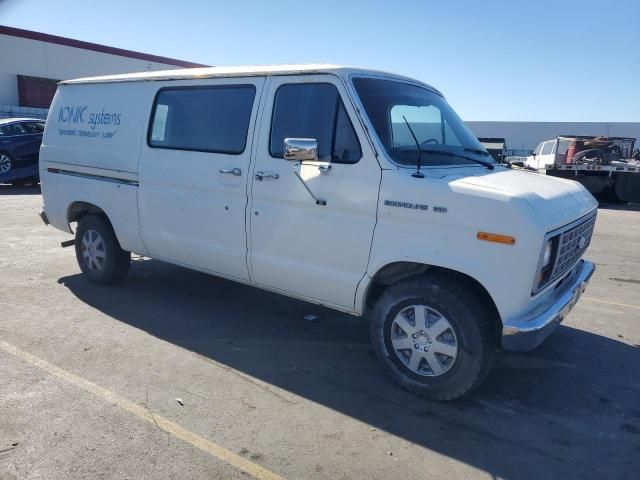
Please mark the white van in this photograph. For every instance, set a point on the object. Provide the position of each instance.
(354, 189)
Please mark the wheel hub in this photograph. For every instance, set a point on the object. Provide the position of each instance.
(93, 250)
(424, 340)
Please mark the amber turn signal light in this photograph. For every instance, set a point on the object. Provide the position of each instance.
(495, 237)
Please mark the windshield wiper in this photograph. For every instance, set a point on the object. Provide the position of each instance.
(445, 153)
(484, 153)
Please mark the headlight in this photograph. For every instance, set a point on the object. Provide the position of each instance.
(546, 256)
(547, 261)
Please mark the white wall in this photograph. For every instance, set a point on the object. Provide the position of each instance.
(23, 56)
(526, 135)
(8, 88)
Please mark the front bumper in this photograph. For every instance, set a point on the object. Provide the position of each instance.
(526, 333)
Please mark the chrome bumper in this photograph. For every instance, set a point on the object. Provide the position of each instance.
(527, 333)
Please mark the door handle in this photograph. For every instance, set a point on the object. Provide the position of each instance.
(262, 175)
(231, 171)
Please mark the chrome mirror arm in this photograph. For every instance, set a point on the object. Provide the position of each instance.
(317, 200)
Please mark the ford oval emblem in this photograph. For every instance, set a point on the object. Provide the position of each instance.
(582, 242)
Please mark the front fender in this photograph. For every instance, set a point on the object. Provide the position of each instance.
(435, 222)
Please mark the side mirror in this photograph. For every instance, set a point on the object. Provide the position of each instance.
(300, 149)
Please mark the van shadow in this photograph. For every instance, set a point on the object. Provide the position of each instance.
(569, 409)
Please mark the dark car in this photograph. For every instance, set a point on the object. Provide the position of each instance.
(20, 140)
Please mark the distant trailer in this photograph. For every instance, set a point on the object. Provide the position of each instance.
(623, 181)
(606, 166)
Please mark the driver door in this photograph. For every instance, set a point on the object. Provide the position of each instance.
(297, 245)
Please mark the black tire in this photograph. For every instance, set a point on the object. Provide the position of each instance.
(468, 316)
(115, 264)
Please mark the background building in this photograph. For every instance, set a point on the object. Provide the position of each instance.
(31, 64)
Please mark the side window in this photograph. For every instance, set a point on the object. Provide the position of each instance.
(33, 127)
(206, 119)
(304, 110)
(547, 148)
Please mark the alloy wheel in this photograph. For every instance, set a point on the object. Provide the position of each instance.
(5, 163)
(424, 340)
(93, 250)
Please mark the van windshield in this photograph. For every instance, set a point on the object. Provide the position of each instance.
(436, 126)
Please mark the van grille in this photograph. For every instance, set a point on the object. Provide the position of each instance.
(572, 245)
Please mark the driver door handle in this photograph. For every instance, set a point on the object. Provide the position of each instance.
(262, 175)
(231, 171)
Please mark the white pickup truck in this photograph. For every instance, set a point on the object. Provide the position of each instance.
(359, 190)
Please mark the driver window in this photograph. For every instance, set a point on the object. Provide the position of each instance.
(314, 110)
(538, 149)
(427, 124)
(548, 147)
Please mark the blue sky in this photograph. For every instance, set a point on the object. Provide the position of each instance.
(561, 60)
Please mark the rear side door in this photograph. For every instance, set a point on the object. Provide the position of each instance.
(193, 173)
(317, 250)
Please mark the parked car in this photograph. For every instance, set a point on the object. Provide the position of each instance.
(20, 140)
(354, 189)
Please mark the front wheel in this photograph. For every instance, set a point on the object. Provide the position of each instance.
(98, 252)
(433, 336)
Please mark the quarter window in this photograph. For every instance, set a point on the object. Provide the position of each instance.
(563, 146)
(206, 119)
(314, 111)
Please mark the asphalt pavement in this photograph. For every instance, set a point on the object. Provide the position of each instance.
(176, 374)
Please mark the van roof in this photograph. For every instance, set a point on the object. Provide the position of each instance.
(239, 71)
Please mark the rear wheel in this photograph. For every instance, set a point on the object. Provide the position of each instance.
(6, 164)
(434, 337)
(98, 252)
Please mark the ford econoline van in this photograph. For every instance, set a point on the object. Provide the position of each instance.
(354, 189)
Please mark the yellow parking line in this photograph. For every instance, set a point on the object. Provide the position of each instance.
(591, 299)
(143, 413)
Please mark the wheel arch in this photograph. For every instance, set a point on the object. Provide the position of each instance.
(78, 209)
(394, 272)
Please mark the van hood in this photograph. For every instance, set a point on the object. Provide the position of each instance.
(559, 201)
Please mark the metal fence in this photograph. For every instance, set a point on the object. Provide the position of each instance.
(9, 111)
